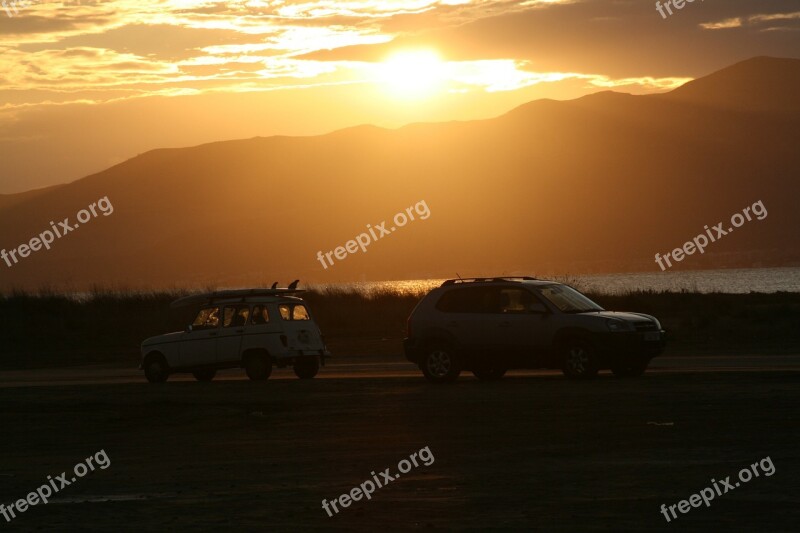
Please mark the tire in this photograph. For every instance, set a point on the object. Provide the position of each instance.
(490, 372)
(579, 360)
(634, 370)
(204, 374)
(441, 363)
(156, 369)
(307, 367)
(258, 367)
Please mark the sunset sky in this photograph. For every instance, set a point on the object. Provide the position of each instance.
(85, 85)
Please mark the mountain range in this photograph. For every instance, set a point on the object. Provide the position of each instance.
(597, 184)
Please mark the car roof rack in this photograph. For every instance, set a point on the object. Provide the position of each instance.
(233, 294)
(484, 280)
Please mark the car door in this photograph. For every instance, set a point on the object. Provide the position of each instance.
(300, 331)
(463, 317)
(229, 342)
(199, 346)
(519, 331)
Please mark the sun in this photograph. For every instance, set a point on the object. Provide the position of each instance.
(412, 73)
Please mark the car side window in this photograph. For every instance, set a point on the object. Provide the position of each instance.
(260, 315)
(294, 312)
(464, 300)
(235, 316)
(207, 318)
(300, 313)
(507, 300)
(486, 300)
(515, 301)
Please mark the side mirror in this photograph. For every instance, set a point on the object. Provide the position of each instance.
(538, 308)
(189, 328)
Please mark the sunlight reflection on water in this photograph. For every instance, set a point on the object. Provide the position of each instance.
(704, 281)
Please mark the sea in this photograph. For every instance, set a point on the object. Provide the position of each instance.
(745, 280)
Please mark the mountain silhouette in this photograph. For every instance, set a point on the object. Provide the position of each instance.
(596, 184)
(758, 84)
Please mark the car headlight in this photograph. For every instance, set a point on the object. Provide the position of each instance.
(617, 325)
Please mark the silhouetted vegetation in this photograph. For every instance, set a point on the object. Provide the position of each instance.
(47, 329)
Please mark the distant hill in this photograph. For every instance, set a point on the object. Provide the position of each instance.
(596, 184)
(7, 200)
(761, 83)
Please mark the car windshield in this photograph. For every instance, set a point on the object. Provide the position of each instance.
(207, 318)
(568, 300)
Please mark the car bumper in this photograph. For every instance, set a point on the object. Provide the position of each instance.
(413, 350)
(629, 347)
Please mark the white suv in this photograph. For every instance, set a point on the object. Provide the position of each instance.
(252, 329)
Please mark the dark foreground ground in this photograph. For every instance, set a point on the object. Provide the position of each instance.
(530, 452)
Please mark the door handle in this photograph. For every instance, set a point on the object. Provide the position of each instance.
(505, 324)
(212, 334)
(239, 331)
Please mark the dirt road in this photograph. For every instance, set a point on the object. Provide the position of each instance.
(532, 452)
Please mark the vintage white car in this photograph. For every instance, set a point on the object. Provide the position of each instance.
(252, 329)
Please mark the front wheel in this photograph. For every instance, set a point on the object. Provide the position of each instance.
(634, 370)
(156, 370)
(204, 374)
(307, 367)
(579, 359)
(441, 364)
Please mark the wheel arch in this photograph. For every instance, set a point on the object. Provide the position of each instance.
(569, 333)
(438, 335)
(154, 355)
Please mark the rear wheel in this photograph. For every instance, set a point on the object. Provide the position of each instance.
(204, 374)
(441, 364)
(258, 367)
(634, 370)
(156, 369)
(579, 359)
(307, 367)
